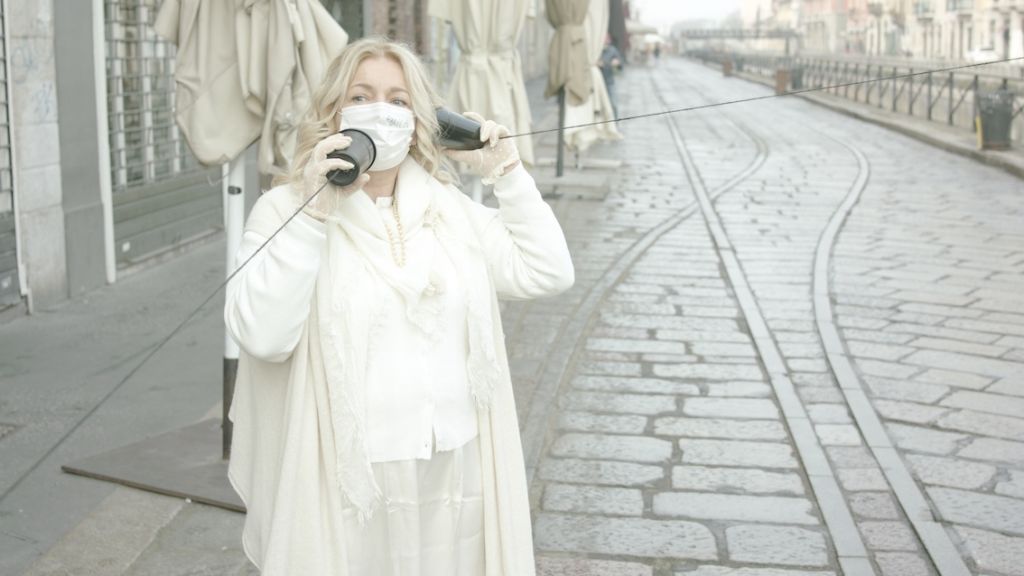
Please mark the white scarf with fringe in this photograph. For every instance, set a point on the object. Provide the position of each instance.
(358, 257)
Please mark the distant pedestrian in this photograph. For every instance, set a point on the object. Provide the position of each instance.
(609, 62)
(375, 426)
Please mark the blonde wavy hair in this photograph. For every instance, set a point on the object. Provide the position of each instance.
(321, 118)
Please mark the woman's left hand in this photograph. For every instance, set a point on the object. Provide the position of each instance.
(496, 158)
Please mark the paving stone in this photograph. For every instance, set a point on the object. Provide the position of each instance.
(951, 472)
(994, 449)
(626, 536)
(760, 571)
(877, 351)
(606, 447)
(723, 349)
(709, 371)
(1010, 386)
(735, 480)
(888, 536)
(589, 422)
(548, 566)
(984, 402)
(1014, 486)
(838, 434)
(754, 408)
(828, 414)
(959, 346)
(736, 453)
(600, 472)
(965, 362)
(908, 411)
(955, 379)
(620, 403)
(885, 369)
(593, 500)
(862, 479)
(636, 346)
(601, 368)
(873, 505)
(876, 336)
(807, 365)
(812, 394)
(719, 428)
(993, 551)
(901, 564)
(905, 389)
(701, 336)
(638, 385)
(984, 424)
(708, 506)
(850, 456)
(919, 439)
(744, 389)
(776, 545)
(998, 513)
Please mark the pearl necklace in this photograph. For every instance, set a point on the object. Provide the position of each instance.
(397, 254)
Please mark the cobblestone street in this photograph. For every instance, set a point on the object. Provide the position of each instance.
(795, 347)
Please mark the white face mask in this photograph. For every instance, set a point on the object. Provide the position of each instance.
(389, 126)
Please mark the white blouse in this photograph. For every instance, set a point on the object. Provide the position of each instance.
(417, 388)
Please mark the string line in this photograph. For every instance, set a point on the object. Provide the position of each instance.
(765, 97)
(238, 269)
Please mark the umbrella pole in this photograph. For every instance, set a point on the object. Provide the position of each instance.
(233, 186)
(560, 164)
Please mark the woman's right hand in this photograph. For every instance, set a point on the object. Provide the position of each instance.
(314, 177)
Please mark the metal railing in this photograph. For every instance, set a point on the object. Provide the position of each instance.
(911, 89)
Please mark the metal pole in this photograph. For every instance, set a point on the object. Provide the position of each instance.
(559, 166)
(950, 99)
(233, 186)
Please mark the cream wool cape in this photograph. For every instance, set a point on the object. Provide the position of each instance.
(284, 461)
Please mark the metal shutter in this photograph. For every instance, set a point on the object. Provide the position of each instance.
(162, 197)
(10, 288)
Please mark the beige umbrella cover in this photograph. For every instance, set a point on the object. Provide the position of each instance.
(284, 48)
(489, 76)
(245, 70)
(568, 65)
(598, 107)
(208, 95)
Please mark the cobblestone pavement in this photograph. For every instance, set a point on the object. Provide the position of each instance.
(799, 352)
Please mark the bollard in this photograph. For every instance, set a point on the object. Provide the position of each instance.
(727, 68)
(993, 116)
(781, 80)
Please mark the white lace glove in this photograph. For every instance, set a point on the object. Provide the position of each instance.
(498, 155)
(315, 175)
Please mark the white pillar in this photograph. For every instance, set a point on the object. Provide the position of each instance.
(233, 188)
(103, 138)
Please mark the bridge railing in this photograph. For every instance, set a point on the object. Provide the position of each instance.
(905, 87)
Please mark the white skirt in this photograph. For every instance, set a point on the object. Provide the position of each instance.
(431, 523)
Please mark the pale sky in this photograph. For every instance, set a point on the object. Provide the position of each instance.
(663, 13)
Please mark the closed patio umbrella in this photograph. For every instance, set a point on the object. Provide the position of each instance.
(568, 64)
(598, 106)
(489, 76)
(245, 70)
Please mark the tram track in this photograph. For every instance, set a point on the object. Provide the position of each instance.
(558, 370)
(850, 549)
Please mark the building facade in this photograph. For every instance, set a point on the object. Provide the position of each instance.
(96, 181)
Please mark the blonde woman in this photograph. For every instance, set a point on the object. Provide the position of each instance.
(375, 429)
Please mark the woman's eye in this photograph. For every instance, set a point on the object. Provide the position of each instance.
(399, 102)
(359, 98)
